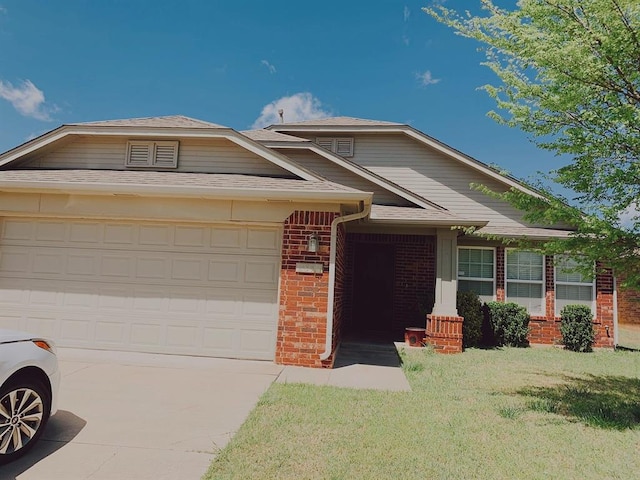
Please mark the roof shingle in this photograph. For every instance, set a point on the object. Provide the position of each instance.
(167, 179)
(337, 122)
(172, 121)
(271, 136)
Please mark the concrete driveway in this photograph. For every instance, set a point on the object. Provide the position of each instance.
(139, 416)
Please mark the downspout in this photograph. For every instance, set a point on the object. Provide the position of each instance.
(366, 209)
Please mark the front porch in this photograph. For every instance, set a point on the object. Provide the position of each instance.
(398, 280)
(376, 280)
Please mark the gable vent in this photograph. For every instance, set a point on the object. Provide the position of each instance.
(166, 154)
(143, 154)
(340, 145)
(139, 154)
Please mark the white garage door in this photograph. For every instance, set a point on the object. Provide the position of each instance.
(189, 289)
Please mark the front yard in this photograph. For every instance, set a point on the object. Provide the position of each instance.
(510, 413)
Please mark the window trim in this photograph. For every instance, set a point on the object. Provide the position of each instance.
(543, 282)
(334, 145)
(578, 284)
(152, 156)
(477, 279)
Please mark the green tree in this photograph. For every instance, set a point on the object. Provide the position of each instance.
(569, 75)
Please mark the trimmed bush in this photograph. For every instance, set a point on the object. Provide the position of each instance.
(470, 307)
(576, 326)
(510, 323)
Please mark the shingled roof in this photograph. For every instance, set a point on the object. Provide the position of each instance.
(171, 121)
(335, 121)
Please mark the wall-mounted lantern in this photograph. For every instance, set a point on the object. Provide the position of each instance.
(313, 243)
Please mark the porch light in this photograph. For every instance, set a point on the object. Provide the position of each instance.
(313, 242)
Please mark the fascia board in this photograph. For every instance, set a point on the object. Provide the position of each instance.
(185, 192)
(437, 223)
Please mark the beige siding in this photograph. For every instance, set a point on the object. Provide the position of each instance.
(341, 175)
(432, 175)
(209, 156)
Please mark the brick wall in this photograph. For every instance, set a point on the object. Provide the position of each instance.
(604, 309)
(302, 324)
(414, 276)
(628, 305)
(500, 285)
(545, 329)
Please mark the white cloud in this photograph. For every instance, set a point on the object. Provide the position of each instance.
(3, 9)
(426, 78)
(27, 99)
(405, 40)
(406, 13)
(296, 108)
(270, 67)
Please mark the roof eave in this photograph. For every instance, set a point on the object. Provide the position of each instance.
(431, 223)
(173, 191)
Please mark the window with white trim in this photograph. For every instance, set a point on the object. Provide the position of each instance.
(572, 286)
(525, 280)
(340, 145)
(148, 154)
(476, 271)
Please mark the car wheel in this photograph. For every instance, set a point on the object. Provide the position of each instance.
(24, 411)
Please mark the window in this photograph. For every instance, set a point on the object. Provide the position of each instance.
(340, 146)
(152, 154)
(525, 280)
(572, 287)
(476, 271)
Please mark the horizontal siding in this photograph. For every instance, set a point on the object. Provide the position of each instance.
(341, 175)
(434, 176)
(204, 156)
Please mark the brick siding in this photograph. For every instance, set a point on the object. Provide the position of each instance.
(628, 306)
(302, 324)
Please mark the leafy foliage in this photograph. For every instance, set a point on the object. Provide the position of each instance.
(510, 323)
(576, 326)
(470, 308)
(569, 76)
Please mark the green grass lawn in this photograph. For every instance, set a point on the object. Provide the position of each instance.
(629, 335)
(541, 413)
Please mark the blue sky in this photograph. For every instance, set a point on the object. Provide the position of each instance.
(236, 62)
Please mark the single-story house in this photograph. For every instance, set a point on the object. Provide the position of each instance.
(175, 235)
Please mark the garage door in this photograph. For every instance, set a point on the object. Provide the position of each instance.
(189, 289)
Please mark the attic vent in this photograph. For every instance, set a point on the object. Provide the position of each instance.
(342, 146)
(152, 154)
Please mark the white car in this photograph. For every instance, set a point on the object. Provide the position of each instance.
(29, 380)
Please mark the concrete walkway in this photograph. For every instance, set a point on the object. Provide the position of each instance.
(358, 365)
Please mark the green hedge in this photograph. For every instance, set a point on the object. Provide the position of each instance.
(470, 308)
(510, 323)
(576, 326)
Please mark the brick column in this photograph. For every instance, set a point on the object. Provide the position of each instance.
(501, 294)
(444, 333)
(302, 325)
(444, 325)
(603, 322)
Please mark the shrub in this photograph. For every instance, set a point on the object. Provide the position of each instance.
(576, 326)
(470, 307)
(510, 323)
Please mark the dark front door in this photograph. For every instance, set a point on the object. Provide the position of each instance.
(373, 287)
